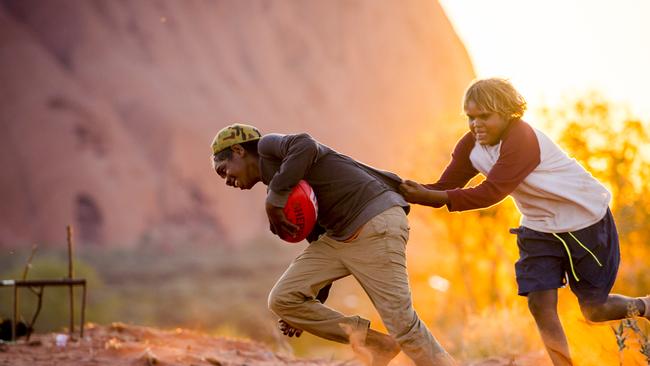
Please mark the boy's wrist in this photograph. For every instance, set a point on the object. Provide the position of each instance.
(436, 198)
(276, 199)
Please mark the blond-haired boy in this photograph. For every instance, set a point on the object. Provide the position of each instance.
(567, 232)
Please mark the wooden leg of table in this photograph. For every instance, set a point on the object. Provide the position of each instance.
(83, 310)
(13, 326)
(71, 311)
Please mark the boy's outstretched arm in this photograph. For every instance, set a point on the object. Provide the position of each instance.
(414, 192)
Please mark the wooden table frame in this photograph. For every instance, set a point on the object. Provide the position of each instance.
(70, 283)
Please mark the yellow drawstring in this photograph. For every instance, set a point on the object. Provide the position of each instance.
(569, 253)
(587, 249)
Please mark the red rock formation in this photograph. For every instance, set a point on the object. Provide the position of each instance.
(108, 107)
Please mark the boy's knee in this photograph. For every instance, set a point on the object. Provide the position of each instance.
(589, 313)
(274, 302)
(540, 306)
(594, 313)
(279, 302)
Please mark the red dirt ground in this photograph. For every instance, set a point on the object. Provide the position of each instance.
(128, 345)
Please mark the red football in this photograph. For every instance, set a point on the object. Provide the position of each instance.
(301, 209)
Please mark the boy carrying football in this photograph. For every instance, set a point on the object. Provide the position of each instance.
(567, 231)
(365, 235)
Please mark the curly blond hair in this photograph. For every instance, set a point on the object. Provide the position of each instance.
(496, 95)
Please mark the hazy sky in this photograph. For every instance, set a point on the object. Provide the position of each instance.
(554, 48)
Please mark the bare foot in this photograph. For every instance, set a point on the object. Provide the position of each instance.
(443, 358)
(383, 347)
(372, 348)
(288, 330)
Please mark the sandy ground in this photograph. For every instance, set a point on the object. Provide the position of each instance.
(120, 344)
(127, 345)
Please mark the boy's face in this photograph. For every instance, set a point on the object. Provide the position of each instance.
(487, 127)
(239, 170)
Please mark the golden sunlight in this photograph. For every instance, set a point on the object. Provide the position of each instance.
(550, 49)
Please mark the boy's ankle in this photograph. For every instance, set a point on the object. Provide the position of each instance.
(382, 346)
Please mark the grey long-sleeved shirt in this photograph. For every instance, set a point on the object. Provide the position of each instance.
(349, 193)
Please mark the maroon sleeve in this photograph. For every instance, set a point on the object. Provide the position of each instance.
(459, 170)
(518, 157)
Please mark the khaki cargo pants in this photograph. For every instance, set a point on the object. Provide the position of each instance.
(376, 258)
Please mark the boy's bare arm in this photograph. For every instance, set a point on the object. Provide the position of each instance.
(414, 192)
(278, 222)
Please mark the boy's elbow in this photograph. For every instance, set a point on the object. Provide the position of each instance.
(306, 139)
(306, 144)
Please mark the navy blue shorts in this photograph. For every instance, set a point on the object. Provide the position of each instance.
(544, 263)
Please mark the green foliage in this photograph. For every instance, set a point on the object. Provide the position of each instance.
(628, 330)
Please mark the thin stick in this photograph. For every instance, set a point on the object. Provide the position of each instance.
(70, 276)
(83, 310)
(13, 327)
(29, 262)
(28, 266)
(30, 326)
(70, 264)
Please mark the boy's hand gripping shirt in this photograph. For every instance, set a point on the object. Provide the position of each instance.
(551, 190)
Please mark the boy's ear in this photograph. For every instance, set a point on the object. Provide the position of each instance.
(237, 149)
